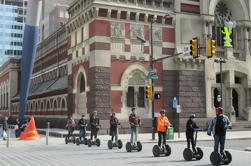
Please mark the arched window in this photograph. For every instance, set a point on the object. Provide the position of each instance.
(136, 89)
(63, 103)
(42, 106)
(48, 105)
(82, 84)
(36, 107)
(55, 105)
(222, 14)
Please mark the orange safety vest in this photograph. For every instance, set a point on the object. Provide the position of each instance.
(162, 121)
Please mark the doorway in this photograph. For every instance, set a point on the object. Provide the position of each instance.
(235, 102)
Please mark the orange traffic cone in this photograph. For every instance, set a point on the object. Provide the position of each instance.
(30, 132)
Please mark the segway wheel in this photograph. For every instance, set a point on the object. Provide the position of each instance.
(128, 147)
(168, 150)
(73, 140)
(156, 151)
(66, 140)
(98, 142)
(85, 141)
(109, 143)
(188, 154)
(120, 144)
(89, 143)
(139, 145)
(215, 158)
(229, 158)
(199, 155)
(77, 141)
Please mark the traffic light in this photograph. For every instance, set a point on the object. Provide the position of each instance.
(211, 48)
(194, 48)
(156, 95)
(149, 92)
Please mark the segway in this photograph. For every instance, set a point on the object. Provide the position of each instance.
(95, 142)
(117, 143)
(217, 158)
(188, 153)
(133, 147)
(84, 141)
(70, 139)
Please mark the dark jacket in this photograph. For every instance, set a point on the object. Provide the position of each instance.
(5, 125)
(113, 123)
(134, 120)
(191, 127)
(70, 124)
(94, 122)
(82, 123)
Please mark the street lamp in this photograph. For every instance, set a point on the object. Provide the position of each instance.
(221, 60)
(151, 66)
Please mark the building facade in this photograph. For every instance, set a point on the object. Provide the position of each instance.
(47, 7)
(58, 17)
(12, 18)
(96, 62)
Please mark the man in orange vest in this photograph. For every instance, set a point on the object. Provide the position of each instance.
(163, 123)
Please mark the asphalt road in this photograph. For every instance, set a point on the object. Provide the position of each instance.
(60, 154)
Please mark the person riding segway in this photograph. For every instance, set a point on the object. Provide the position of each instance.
(196, 152)
(82, 123)
(70, 126)
(114, 133)
(218, 126)
(94, 121)
(162, 147)
(134, 121)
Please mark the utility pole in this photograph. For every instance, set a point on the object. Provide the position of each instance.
(152, 82)
(221, 60)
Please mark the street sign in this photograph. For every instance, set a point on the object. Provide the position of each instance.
(152, 70)
(153, 77)
(186, 52)
(178, 109)
(175, 102)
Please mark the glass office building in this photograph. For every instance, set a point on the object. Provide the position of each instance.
(12, 19)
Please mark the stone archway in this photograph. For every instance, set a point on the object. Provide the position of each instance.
(238, 7)
(80, 91)
(133, 82)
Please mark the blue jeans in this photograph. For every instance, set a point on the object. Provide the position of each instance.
(219, 139)
(134, 135)
(82, 133)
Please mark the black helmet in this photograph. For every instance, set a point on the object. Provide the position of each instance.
(133, 108)
(83, 115)
(192, 116)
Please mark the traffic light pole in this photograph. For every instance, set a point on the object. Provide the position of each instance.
(152, 82)
(221, 77)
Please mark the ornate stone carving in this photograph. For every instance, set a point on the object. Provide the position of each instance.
(157, 34)
(117, 30)
(137, 78)
(137, 30)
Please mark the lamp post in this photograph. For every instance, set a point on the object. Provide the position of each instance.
(221, 60)
(151, 66)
